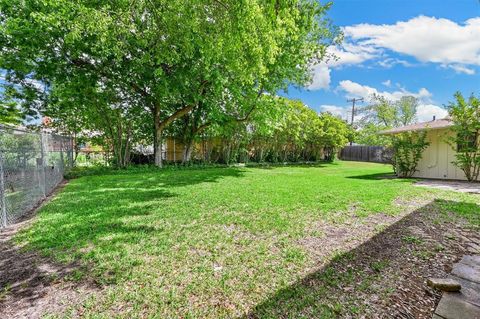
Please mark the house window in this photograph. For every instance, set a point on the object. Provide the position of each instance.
(467, 143)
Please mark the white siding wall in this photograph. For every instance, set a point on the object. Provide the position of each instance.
(438, 157)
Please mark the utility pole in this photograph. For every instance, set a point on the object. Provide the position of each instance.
(353, 109)
(354, 100)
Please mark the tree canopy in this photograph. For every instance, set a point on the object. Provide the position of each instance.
(130, 69)
(382, 114)
(9, 113)
(465, 114)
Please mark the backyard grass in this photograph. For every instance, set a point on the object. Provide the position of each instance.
(216, 242)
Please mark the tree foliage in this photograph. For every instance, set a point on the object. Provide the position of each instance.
(9, 113)
(369, 134)
(382, 114)
(335, 133)
(465, 115)
(118, 63)
(408, 148)
(281, 130)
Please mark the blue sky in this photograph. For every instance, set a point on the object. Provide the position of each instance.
(425, 48)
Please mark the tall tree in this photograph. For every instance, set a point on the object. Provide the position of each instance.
(406, 110)
(167, 56)
(387, 113)
(335, 135)
(382, 114)
(9, 113)
(465, 142)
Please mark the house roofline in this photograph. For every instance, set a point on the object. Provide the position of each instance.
(418, 127)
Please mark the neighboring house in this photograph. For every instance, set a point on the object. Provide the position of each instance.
(437, 158)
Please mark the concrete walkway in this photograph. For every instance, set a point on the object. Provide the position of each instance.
(464, 304)
(458, 186)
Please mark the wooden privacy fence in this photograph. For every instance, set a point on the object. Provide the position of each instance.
(361, 153)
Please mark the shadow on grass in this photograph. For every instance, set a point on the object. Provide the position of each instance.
(94, 210)
(28, 279)
(139, 169)
(91, 214)
(380, 176)
(135, 193)
(342, 287)
(267, 165)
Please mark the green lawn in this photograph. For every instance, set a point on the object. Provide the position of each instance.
(198, 243)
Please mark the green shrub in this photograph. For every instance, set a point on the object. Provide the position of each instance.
(408, 148)
(465, 115)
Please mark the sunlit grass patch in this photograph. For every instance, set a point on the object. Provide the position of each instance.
(207, 242)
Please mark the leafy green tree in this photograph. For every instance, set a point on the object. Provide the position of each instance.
(406, 110)
(12, 109)
(408, 149)
(297, 133)
(281, 130)
(368, 134)
(465, 115)
(380, 111)
(384, 114)
(114, 120)
(167, 57)
(335, 135)
(9, 113)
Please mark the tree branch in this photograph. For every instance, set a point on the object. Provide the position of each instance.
(254, 105)
(84, 64)
(178, 113)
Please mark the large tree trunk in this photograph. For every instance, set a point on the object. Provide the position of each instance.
(161, 125)
(158, 146)
(157, 137)
(187, 152)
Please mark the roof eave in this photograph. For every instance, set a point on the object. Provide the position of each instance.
(393, 132)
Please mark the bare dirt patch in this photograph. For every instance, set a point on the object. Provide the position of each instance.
(31, 285)
(382, 272)
(351, 230)
(345, 236)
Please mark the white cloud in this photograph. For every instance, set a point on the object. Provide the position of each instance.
(387, 83)
(428, 39)
(353, 89)
(338, 56)
(391, 62)
(321, 77)
(341, 111)
(426, 112)
(462, 69)
(349, 54)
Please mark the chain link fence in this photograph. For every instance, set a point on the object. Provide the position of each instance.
(32, 164)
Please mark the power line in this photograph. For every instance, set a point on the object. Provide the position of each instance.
(354, 100)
